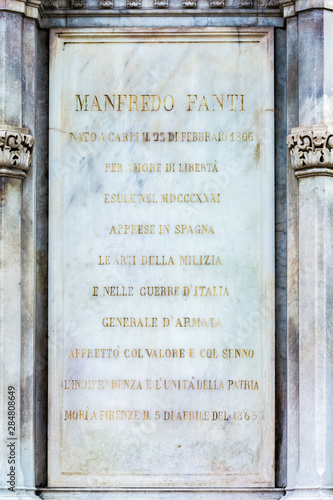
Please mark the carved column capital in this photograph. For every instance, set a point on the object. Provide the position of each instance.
(16, 147)
(311, 150)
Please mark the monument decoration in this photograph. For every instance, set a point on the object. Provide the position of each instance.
(165, 257)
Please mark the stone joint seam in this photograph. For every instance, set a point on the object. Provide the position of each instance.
(16, 147)
(311, 151)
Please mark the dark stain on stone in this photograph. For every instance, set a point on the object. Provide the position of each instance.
(3, 186)
(257, 153)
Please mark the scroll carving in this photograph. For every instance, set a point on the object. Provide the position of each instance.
(272, 4)
(190, 4)
(161, 4)
(134, 4)
(51, 4)
(246, 4)
(311, 151)
(105, 4)
(16, 147)
(217, 4)
(78, 4)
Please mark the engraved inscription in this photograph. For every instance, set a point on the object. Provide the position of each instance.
(162, 259)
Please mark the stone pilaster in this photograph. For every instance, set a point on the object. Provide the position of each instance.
(311, 158)
(16, 147)
(309, 25)
(18, 37)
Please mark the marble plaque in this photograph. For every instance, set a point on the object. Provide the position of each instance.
(161, 258)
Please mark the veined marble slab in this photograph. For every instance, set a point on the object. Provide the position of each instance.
(161, 258)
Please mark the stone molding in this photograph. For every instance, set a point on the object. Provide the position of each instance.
(311, 150)
(83, 8)
(38, 9)
(175, 493)
(29, 8)
(16, 147)
(217, 4)
(291, 8)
